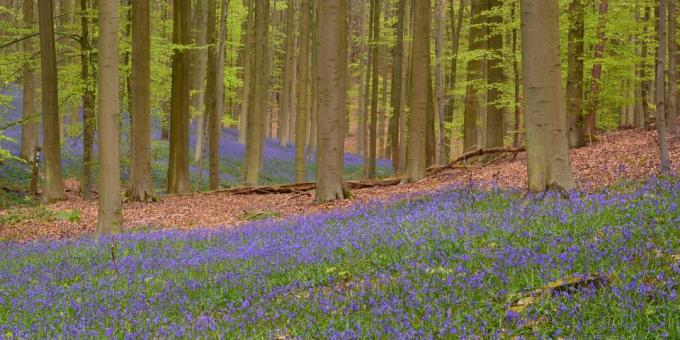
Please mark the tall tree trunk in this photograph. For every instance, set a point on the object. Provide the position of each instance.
(215, 90)
(374, 87)
(395, 92)
(287, 91)
(140, 185)
(515, 69)
(331, 86)
(456, 26)
(496, 77)
(89, 120)
(439, 31)
(475, 111)
(406, 86)
(302, 93)
(575, 128)
(646, 84)
(365, 117)
(258, 95)
(673, 57)
(665, 163)
(178, 167)
(363, 81)
(416, 159)
(109, 214)
(54, 186)
(547, 147)
(595, 87)
(29, 130)
(247, 65)
(198, 76)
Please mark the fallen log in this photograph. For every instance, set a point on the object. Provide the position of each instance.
(475, 153)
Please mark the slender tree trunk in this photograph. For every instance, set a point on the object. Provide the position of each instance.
(109, 214)
(247, 65)
(258, 95)
(439, 31)
(89, 120)
(547, 147)
(54, 186)
(178, 168)
(331, 86)
(287, 91)
(395, 92)
(405, 88)
(595, 87)
(29, 130)
(575, 128)
(515, 68)
(416, 159)
(646, 85)
(456, 26)
(673, 57)
(198, 76)
(475, 112)
(365, 118)
(374, 87)
(496, 77)
(661, 89)
(140, 185)
(302, 93)
(363, 80)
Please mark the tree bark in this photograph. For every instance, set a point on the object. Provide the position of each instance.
(247, 65)
(331, 86)
(575, 128)
(30, 128)
(178, 167)
(456, 26)
(302, 93)
(109, 213)
(439, 24)
(515, 69)
(547, 147)
(373, 129)
(89, 120)
(496, 77)
(416, 159)
(475, 113)
(258, 95)
(395, 92)
(140, 185)
(198, 76)
(665, 163)
(287, 92)
(646, 84)
(595, 87)
(54, 184)
(363, 81)
(673, 57)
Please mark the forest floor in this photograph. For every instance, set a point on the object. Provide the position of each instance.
(626, 154)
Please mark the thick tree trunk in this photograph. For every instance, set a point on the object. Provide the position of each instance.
(258, 95)
(178, 167)
(140, 185)
(331, 86)
(547, 147)
(109, 214)
(54, 184)
(665, 163)
(89, 120)
(30, 128)
(593, 105)
(302, 93)
(416, 159)
(496, 77)
(373, 129)
(575, 128)
(198, 76)
(673, 57)
(475, 112)
(395, 92)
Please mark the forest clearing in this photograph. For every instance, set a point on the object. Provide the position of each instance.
(345, 169)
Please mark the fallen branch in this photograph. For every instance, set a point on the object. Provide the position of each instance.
(471, 154)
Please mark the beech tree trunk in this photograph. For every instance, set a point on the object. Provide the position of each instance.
(332, 56)
(546, 142)
(665, 163)
(258, 95)
(673, 57)
(198, 76)
(178, 167)
(140, 185)
(30, 129)
(456, 26)
(109, 214)
(89, 120)
(247, 65)
(575, 128)
(302, 93)
(287, 92)
(475, 111)
(439, 24)
(595, 87)
(373, 129)
(395, 92)
(496, 78)
(646, 84)
(54, 184)
(416, 159)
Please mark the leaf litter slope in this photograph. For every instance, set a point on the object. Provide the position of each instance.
(627, 154)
